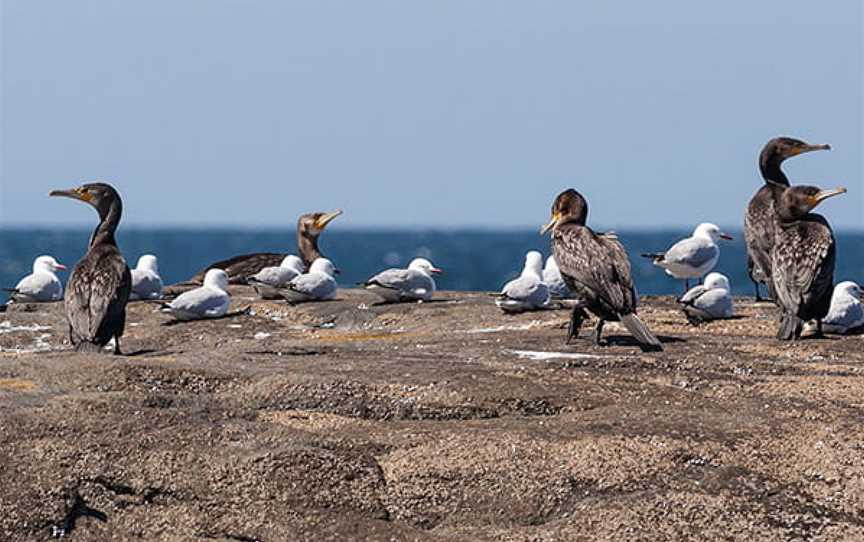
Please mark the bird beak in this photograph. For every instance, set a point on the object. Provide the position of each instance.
(811, 148)
(327, 218)
(74, 193)
(337, 271)
(436, 271)
(726, 236)
(825, 194)
(551, 224)
(60, 267)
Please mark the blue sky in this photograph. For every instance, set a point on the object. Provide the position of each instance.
(439, 114)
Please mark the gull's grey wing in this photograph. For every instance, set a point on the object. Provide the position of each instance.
(848, 315)
(693, 294)
(146, 284)
(38, 287)
(529, 290)
(314, 285)
(692, 252)
(404, 280)
(716, 302)
(198, 301)
(274, 276)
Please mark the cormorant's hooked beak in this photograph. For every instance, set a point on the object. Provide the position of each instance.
(75, 193)
(810, 148)
(551, 224)
(825, 194)
(326, 218)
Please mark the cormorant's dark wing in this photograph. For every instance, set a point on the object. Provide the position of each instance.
(597, 263)
(97, 293)
(759, 232)
(241, 267)
(803, 264)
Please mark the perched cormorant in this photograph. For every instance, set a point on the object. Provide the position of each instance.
(99, 287)
(759, 218)
(239, 268)
(802, 258)
(596, 269)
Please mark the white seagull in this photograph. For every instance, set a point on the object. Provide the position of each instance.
(318, 284)
(709, 301)
(268, 281)
(692, 257)
(146, 282)
(209, 301)
(558, 289)
(42, 285)
(846, 313)
(412, 284)
(528, 292)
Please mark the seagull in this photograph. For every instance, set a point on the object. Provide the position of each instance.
(528, 292)
(146, 282)
(709, 301)
(42, 285)
(691, 257)
(208, 301)
(412, 284)
(846, 313)
(552, 277)
(268, 281)
(318, 284)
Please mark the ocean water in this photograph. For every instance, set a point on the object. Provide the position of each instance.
(472, 260)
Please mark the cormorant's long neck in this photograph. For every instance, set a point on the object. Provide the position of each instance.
(307, 245)
(104, 232)
(769, 166)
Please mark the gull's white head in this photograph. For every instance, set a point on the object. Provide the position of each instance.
(424, 266)
(551, 263)
(717, 280)
(293, 262)
(533, 264)
(706, 230)
(148, 262)
(216, 278)
(47, 263)
(324, 266)
(847, 289)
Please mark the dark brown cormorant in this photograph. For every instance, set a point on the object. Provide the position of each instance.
(596, 269)
(99, 286)
(802, 258)
(309, 227)
(759, 218)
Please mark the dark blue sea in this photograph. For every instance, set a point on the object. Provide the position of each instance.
(472, 260)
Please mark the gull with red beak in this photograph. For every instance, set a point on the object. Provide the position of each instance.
(40, 286)
(693, 257)
(412, 284)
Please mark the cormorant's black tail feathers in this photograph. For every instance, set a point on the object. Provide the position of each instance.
(790, 327)
(641, 332)
(86, 346)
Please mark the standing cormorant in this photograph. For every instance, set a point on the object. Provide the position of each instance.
(99, 287)
(802, 258)
(596, 269)
(759, 218)
(239, 268)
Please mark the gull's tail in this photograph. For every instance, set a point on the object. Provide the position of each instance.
(641, 332)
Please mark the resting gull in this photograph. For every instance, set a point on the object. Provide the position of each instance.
(692, 257)
(42, 285)
(552, 277)
(846, 313)
(318, 284)
(412, 284)
(208, 301)
(268, 281)
(146, 282)
(528, 292)
(709, 301)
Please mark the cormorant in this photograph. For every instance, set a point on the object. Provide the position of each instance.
(596, 269)
(99, 287)
(802, 258)
(239, 268)
(759, 217)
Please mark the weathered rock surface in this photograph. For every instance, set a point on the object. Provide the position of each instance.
(441, 421)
